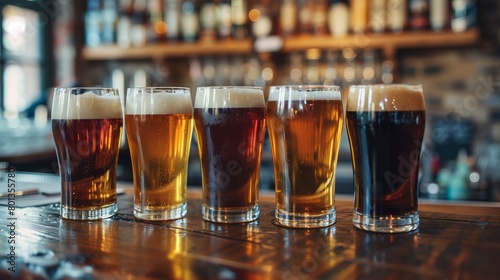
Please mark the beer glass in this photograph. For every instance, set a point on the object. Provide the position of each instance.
(159, 126)
(385, 125)
(230, 130)
(87, 128)
(305, 128)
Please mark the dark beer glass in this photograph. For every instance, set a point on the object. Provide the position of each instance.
(305, 126)
(385, 125)
(230, 130)
(87, 128)
(159, 126)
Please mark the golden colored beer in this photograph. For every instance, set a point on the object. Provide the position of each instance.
(87, 127)
(159, 125)
(385, 125)
(305, 127)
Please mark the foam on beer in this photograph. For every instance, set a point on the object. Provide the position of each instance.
(158, 103)
(290, 94)
(385, 98)
(85, 106)
(229, 98)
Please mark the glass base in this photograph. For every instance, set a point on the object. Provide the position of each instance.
(287, 219)
(161, 214)
(388, 224)
(230, 216)
(89, 214)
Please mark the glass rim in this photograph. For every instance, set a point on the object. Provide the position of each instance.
(159, 88)
(230, 87)
(335, 87)
(87, 88)
(419, 86)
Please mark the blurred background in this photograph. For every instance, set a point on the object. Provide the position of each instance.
(451, 47)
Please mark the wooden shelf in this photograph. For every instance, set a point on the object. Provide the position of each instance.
(389, 43)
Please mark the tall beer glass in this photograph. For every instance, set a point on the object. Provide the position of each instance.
(159, 126)
(230, 130)
(87, 127)
(385, 125)
(305, 128)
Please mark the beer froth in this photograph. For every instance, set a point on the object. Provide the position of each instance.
(303, 94)
(85, 106)
(229, 98)
(146, 103)
(385, 98)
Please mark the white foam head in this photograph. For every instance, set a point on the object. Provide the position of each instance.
(158, 101)
(229, 97)
(71, 106)
(397, 97)
(295, 93)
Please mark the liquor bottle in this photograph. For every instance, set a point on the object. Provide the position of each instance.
(288, 17)
(464, 15)
(189, 21)
(438, 14)
(419, 14)
(156, 28)
(224, 19)
(109, 19)
(93, 24)
(338, 18)
(208, 20)
(359, 15)
(368, 66)
(305, 16)
(396, 15)
(172, 18)
(377, 16)
(320, 17)
(261, 19)
(239, 17)
(331, 74)
(124, 23)
(138, 32)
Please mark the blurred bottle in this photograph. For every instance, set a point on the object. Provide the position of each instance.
(124, 24)
(331, 74)
(396, 15)
(387, 72)
(359, 16)
(93, 24)
(338, 18)
(320, 17)
(458, 188)
(189, 21)
(288, 17)
(261, 19)
(368, 67)
(464, 15)
(439, 14)
(419, 14)
(224, 19)
(296, 69)
(377, 16)
(312, 73)
(349, 55)
(138, 32)
(157, 28)
(239, 17)
(109, 17)
(305, 16)
(172, 18)
(208, 20)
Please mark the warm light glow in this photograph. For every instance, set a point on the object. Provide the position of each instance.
(161, 27)
(254, 15)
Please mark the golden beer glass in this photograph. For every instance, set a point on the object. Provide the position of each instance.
(305, 127)
(385, 126)
(87, 127)
(230, 130)
(159, 126)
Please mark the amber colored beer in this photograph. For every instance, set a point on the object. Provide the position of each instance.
(87, 128)
(385, 125)
(305, 128)
(230, 130)
(159, 125)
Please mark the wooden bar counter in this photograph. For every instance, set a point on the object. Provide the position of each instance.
(453, 242)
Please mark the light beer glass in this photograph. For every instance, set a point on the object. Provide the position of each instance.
(159, 126)
(305, 128)
(230, 130)
(87, 127)
(385, 125)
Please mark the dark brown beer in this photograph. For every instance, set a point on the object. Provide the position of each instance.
(230, 145)
(386, 152)
(88, 149)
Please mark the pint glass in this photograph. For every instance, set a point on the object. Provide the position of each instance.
(305, 128)
(230, 130)
(159, 126)
(385, 125)
(87, 127)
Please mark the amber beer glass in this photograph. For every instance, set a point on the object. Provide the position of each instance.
(385, 125)
(87, 127)
(159, 126)
(230, 130)
(305, 126)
